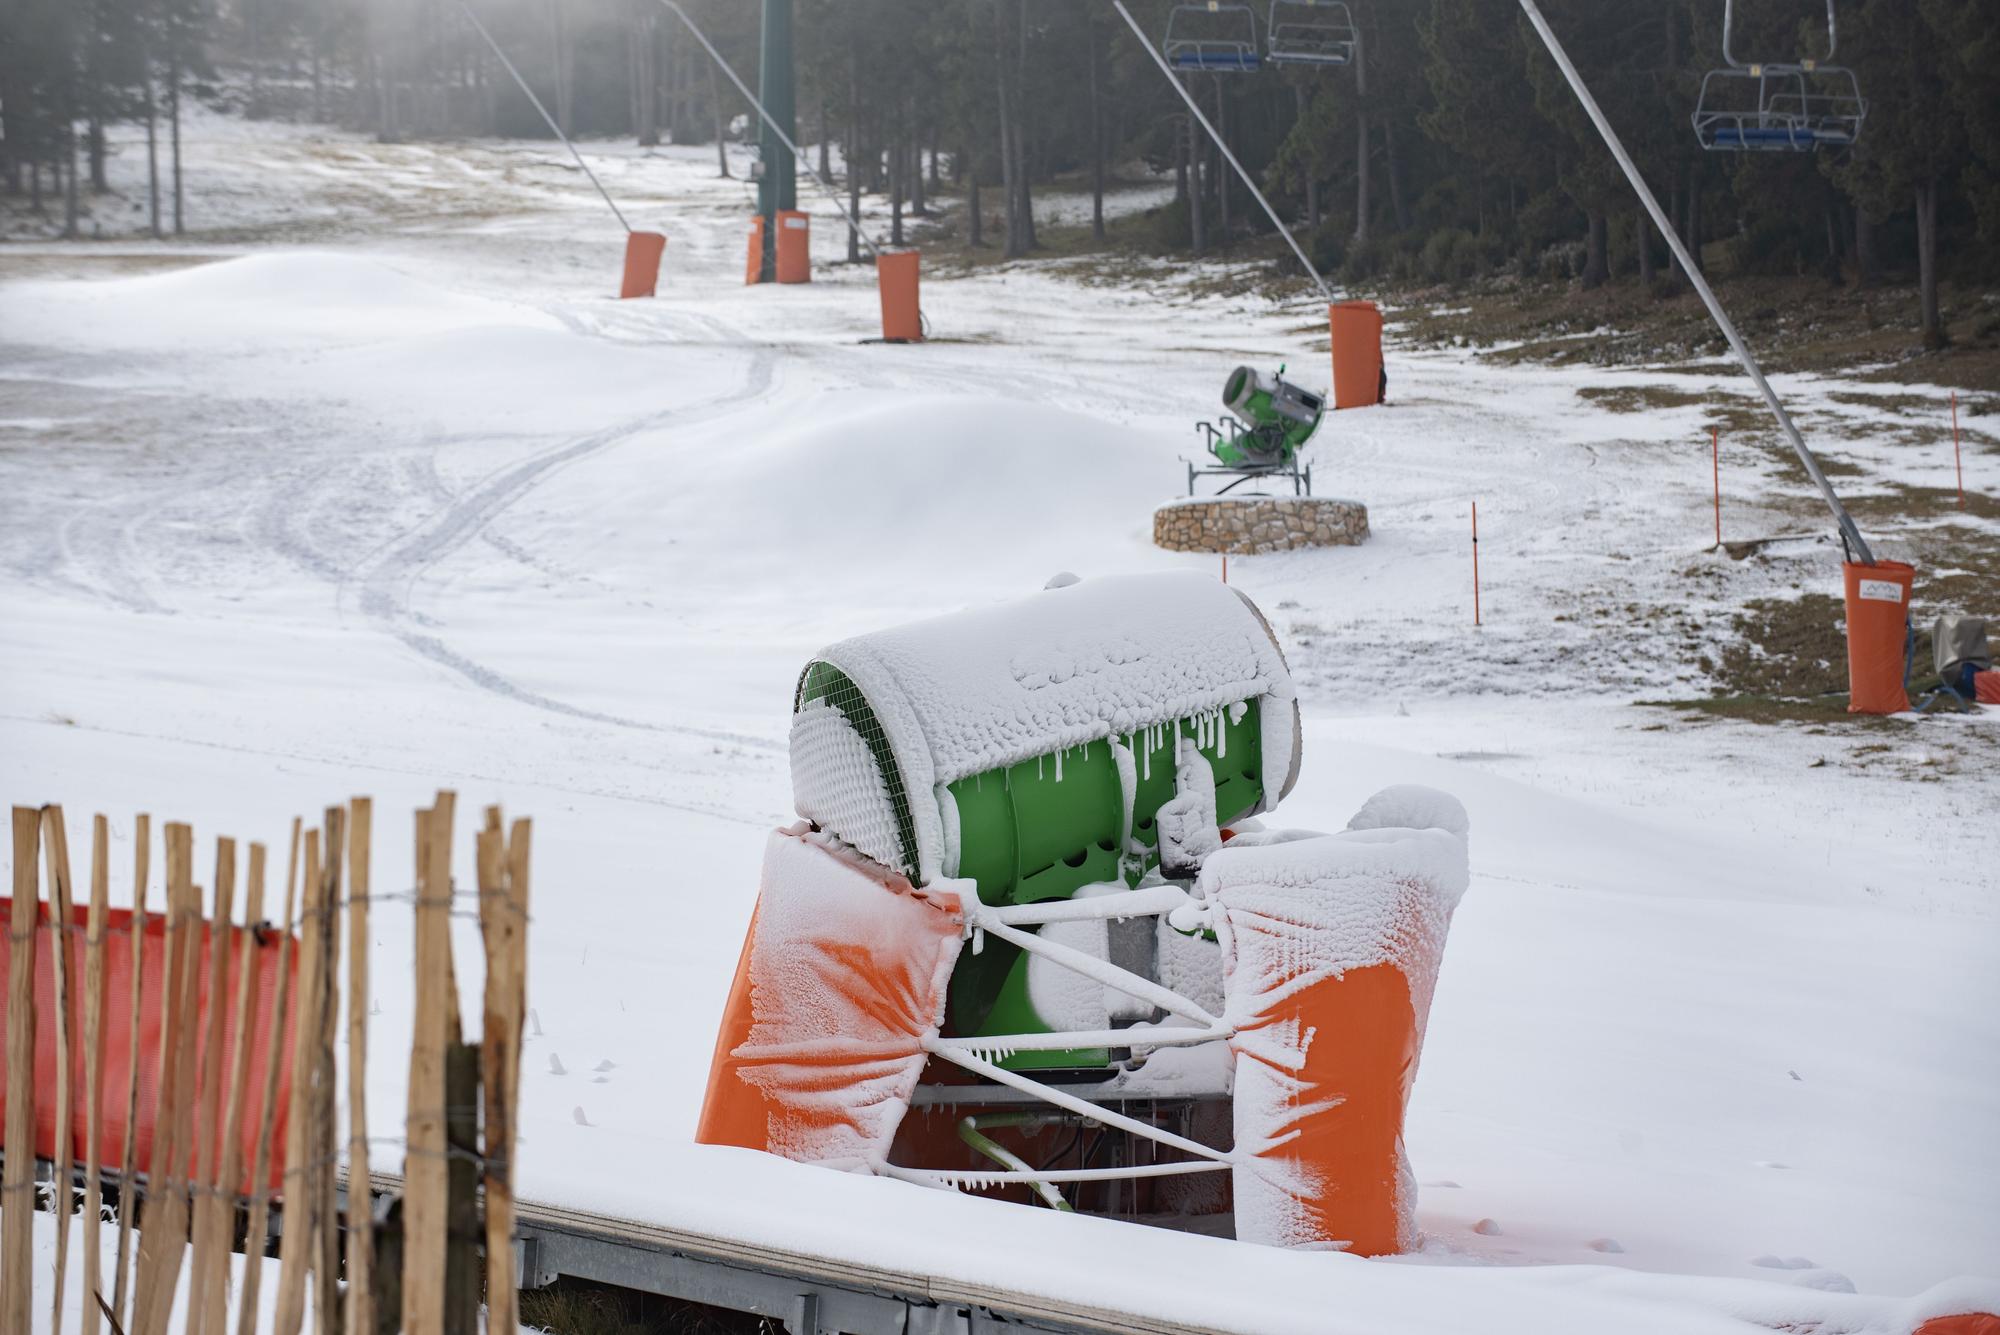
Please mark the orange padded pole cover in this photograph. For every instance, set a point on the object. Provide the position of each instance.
(1878, 628)
(128, 1039)
(841, 980)
(642, 263)
(902, 312)
(794, 247)
(753, 269)
(1356, 327)
(1331, 948)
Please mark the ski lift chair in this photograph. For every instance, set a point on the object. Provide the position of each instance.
(1310, 32)
(1796, 107)
(1212, 38)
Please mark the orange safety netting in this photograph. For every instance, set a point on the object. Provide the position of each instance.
(841, 980)
(123, 1039)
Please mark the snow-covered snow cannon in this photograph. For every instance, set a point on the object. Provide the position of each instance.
(1029, 937)
(1270, 420)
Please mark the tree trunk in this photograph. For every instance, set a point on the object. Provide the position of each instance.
(1864, 249)
(98, 184)
(1596, 257)
(174, 130)
(1222, 172)
(1397, 205)
(976, 232)
(1301, 103)
(825, 141)
(152, 155)
(1022, 178)
(1927, 266)
(1643, 234)
(721, 124)
(1181, 162)
(919, 203)
(936, 182)
(1096, 141)
(646, 80)
(1014, 248)
(71, 210)
(897, 157)
(565, 90)
(1361, 201)
(1197, 221)
(850, 148)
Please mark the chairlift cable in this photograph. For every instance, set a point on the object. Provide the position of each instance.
(1195, 110)
(481, 28)
(1849, 534)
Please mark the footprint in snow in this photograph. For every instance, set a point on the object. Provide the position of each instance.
(1487, 1228)
(555, 1065)
(1609, 1246)
(576, 1115)
(1784, 1263)
(534, 1023)
(1443, 1182)
(606, 1065)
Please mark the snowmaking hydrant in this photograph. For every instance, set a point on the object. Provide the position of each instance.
(1030, 939)
(1270, 420)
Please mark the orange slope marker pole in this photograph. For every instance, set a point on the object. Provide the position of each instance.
(1958, 459)
(1475, 563)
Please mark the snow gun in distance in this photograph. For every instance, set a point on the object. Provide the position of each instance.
(1270, 422)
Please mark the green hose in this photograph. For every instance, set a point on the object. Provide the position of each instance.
(969, 1132)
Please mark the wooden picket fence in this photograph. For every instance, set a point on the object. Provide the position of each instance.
(205, 1066)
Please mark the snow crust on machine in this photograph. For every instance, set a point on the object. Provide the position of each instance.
(1102, 658)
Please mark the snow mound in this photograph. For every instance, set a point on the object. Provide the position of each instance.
(922, 478)
(288, 297)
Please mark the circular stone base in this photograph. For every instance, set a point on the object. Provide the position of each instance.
(1252, 525)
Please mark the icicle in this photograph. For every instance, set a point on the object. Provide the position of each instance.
(1059, 756)
(1038, 765)
(1221, 739)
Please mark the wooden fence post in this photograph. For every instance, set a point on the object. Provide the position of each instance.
(210, 1246)
(17, 1188)
(93, 1070)
(425, 1179)
(258, 1239)
(62, 1194)
(210, 1298)
(503, 921)
(295, 1245)
(163, 1242)
(325, 1122)
(128, 1168)
(360, 1192)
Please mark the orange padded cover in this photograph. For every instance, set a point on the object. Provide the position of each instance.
(794, 246)
(842, 978)
(1878, 627)
(1330, 955)
(902, 308)
(1970, 1323)
(1356, 327)
(642, 263)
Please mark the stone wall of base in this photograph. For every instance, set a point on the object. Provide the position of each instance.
(1251, 525)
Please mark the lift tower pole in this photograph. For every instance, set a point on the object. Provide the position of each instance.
(777, 189)
(1850, 536)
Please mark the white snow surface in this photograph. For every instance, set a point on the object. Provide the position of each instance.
(1718, 993)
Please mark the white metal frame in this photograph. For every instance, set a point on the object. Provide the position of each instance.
(979, 1055)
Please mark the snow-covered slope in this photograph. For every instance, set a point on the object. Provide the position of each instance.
(424, 507)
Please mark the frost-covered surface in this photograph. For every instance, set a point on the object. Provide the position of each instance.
(1718, 995)
(1103, 658)
(847, 979)
(838, 786)
(1299, 913)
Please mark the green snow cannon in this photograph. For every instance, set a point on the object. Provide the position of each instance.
(1270, 421)
(1028, 748)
